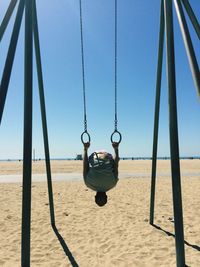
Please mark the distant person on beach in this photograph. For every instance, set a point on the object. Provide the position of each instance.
(100, 172)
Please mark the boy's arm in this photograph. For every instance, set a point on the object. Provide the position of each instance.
(85, 160)
(116, 157)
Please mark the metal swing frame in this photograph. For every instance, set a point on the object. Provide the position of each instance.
(166, 26)
(31, 30)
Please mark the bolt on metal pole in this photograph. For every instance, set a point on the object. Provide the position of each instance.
(156, 114)
(7, 17)
(43, 111)
(27, 153)
(192, 16)
(10, 57)
(188, 45)
(173, 130)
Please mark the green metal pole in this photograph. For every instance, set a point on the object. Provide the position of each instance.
(156, 114)
(7, 17)
(188, 45)
(192, 16)
(173, 130)
(10, 57)
(27, 154)
(43, 111)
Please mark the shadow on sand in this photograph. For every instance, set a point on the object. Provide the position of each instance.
(65, 247)
(170, 234)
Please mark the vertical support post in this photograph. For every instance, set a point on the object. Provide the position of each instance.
(27, 153)
(43, 111)
(188, 45)
(7, 17)
(10, 57)
(192, 17)
(156, 114)
(173, 130)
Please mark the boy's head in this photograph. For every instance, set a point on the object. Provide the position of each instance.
(101, 198)
(102, 154)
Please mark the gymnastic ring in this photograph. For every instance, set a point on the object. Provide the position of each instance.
(82, 135)
(112, 135)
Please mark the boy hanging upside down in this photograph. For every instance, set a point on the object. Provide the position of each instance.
(100, 172)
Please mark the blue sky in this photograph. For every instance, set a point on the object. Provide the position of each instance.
(138, 27)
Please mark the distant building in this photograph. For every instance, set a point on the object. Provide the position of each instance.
(79, 157)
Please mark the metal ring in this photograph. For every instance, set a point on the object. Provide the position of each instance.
(120, 137)
(82, 135)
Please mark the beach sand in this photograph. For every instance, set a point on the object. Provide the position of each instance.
(118, 234)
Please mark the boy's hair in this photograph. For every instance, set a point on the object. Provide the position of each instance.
(101, 198)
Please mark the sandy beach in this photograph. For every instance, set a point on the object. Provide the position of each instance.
(118, 234)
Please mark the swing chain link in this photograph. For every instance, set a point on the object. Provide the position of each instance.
(116, 121)
(83, 67)
(83, 78)
(85, 124)
(85, 133)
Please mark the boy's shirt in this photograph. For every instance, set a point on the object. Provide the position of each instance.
(101, 176)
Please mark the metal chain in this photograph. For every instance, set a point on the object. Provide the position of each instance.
(116, 121)
(83, 67)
